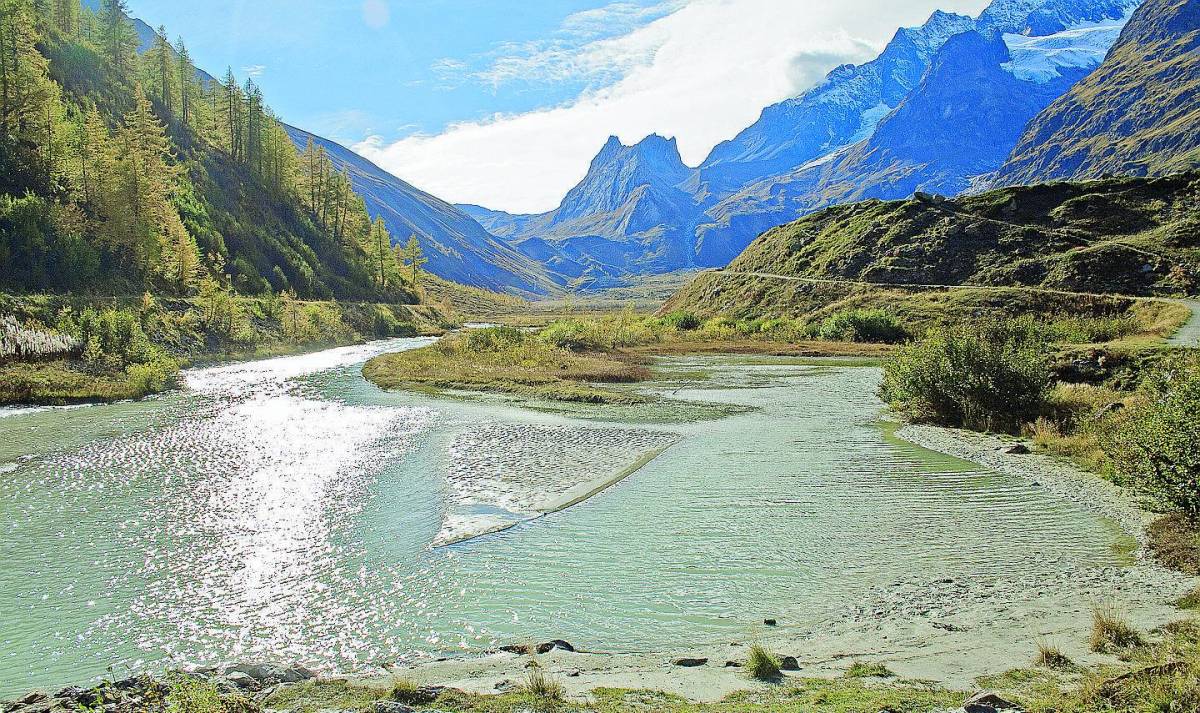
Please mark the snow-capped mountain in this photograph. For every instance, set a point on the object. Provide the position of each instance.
(943, 103)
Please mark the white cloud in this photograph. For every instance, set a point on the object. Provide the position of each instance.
(701, 73)
(254, 70)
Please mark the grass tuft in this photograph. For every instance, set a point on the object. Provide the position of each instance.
(762, 664)
(1050, 656)
(543, 687)
(868, 669)
(1110, 630)
(409, 692)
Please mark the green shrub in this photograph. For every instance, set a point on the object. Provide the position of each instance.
(762, 664)
(573, 334)
(863, 325)
(1156, 447)
(191, 695)
(493, 339)
(681, 321)
(988, 376)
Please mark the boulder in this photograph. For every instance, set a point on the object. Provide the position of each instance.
(1017, 449)
(987, 702)
(689, 662)
(547, 647)
(269, 674)
(242, 681)
(770, 622)
(789, 663)
(391, 707)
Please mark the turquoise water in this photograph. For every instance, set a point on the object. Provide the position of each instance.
(285, 510)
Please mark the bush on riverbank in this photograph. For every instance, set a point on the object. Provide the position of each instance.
(1155, 449)
(986, 376)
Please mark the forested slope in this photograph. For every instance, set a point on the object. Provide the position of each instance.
(122, 173)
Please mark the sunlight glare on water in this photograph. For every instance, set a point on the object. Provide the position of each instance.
(285, 510)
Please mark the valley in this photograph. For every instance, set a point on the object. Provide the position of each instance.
(891, 402)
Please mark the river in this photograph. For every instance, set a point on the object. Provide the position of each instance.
(286, 509)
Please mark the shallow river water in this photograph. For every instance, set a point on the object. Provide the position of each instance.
(287, 510)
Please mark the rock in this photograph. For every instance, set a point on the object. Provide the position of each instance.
(521, 649)
(770, 622)
(689, 662)
(945, 626)
(1017, 449)
(573, 673)
(789, 663)
(391, 707)
(243, 681)
(271, 674)
(987, 702)
(733, 664)
(33, 697)
(549, 646)
(505, 685)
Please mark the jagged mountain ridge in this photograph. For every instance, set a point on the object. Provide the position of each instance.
(960, 122)
(1137, 114)
(876, 130)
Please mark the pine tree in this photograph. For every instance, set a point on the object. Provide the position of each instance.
(414, 257)
(187, 82)
(161, 68)
(118, 41)
(66, 16)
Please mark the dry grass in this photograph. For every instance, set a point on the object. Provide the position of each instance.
(543, 687)
(1175, 542)
(1110, 630)
(1050, 656)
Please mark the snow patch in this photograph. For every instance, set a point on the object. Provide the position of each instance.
(1043, 59)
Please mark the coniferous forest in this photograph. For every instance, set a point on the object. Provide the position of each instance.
(123, 173)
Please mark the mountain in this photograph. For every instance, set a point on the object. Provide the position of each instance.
(943, 103)
(458, 247)
(631, 214)
(840, 111)
(961, 121)
(1125, 236)
(1138, 114)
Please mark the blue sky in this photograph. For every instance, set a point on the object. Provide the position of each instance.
(503, 103)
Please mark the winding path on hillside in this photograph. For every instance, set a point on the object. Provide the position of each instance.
(1187, 336)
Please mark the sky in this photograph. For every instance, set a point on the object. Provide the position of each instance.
(503, 103)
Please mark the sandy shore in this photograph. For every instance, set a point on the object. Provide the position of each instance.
(946, 631)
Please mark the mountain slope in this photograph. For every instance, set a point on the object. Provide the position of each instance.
(961, 121)
(1127, 236)
(931, 112)
(838, 112)
(458, 248)
(1139, 113)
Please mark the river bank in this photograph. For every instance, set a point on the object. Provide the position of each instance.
(169, 334)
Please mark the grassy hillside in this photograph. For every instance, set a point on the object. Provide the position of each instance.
(1119, 236)
(1137, 114)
